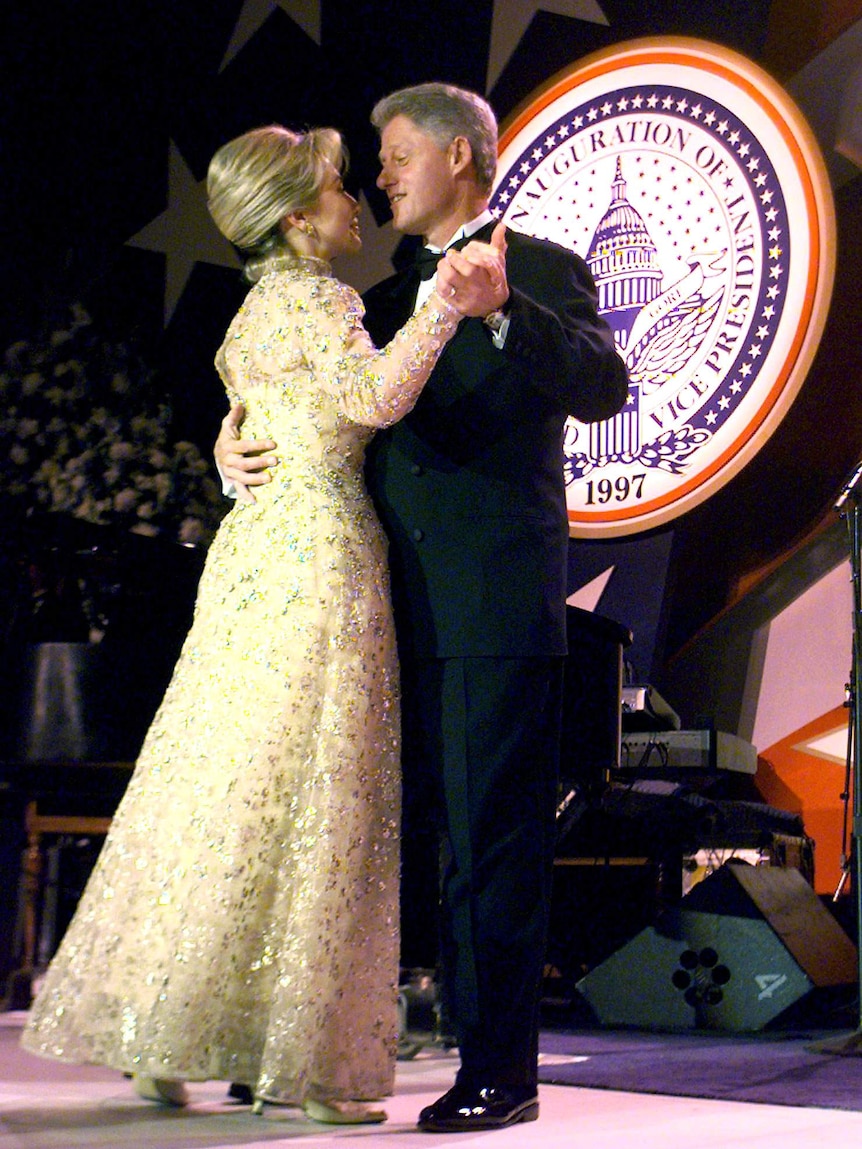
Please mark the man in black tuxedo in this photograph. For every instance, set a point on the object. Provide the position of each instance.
(469, 487)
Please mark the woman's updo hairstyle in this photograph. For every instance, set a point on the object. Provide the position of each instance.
(256, 180)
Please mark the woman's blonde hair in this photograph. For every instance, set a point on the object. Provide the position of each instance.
(254, 181)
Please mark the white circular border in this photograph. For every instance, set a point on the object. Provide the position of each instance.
(768, 112)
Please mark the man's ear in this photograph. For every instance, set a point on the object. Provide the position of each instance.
(460, 154)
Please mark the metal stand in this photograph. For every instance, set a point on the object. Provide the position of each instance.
(848, 507)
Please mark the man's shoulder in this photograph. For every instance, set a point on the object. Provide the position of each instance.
(544, 269)
(531, 247)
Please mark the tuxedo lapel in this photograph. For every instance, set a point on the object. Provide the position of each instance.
(390, 304)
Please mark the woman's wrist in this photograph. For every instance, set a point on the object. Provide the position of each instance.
(448, 302)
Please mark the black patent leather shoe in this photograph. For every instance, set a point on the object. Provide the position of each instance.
(467, 1107)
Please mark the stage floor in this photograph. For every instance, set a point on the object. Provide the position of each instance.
(44, 1105)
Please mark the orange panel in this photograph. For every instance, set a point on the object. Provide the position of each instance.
(811, 784)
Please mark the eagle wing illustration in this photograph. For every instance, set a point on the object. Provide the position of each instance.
(673, 342)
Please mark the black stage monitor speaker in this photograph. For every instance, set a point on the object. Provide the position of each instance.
(743, 946)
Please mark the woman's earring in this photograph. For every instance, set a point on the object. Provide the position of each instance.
(311, 231)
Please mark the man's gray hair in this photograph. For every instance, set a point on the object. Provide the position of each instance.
(444, 112)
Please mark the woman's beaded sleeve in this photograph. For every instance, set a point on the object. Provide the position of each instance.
(320, 320)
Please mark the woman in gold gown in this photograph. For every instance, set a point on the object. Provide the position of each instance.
(241, 921)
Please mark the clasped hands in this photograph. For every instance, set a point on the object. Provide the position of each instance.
(472, 279)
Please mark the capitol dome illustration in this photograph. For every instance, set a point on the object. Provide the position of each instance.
(623, 261)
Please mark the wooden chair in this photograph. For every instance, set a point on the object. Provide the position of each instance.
(38, 827)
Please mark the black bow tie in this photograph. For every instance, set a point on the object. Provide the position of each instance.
(426, 260)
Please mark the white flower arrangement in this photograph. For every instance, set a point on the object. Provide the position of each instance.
(83, 432)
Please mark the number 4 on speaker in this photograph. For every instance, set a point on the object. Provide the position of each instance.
(769, 983)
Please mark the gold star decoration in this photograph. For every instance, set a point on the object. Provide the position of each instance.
(255, 13)
(184, 232)
(512, 18)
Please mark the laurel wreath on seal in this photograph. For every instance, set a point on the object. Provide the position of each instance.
(667, 452)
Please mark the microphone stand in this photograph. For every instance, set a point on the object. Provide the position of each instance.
(847, 507)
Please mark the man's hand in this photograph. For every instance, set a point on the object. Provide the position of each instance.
(243, 462)
(475, 277)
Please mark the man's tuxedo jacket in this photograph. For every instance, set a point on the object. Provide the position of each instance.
(469, 485)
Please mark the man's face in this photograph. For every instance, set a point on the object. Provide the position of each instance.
(417, 176)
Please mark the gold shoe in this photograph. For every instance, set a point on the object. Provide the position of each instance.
(161, 1089)
(343, 1112)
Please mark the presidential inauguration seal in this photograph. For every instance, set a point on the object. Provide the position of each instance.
(691, 184)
